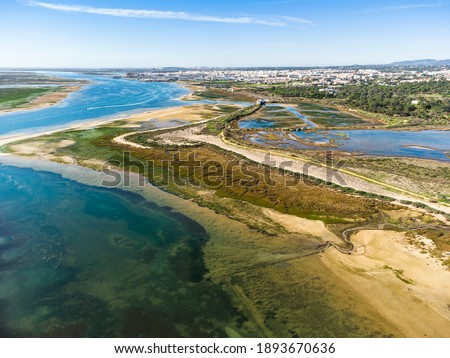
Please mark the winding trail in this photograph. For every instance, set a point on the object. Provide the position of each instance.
(188, 134)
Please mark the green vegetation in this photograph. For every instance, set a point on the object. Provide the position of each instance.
(219, 94)
(439, 235)
(236, 180)
(421, 103)
(217, 125)
(17, 89)
(11, 98)
(400, 275)
(422, 176)
(425, 102)
(310, 92)
(280, 116)
(328, 117)
(15, 79)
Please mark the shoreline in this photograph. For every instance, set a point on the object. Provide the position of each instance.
(157, 113)
(223, 232)
(162, 114)
(225, 235)
(90, 124)
(216, 225)
(45, 101)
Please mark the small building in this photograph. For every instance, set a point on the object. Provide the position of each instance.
(261, 102)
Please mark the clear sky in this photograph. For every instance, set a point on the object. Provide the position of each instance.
(153, 33)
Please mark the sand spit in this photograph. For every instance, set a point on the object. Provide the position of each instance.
(408, 288)
(192, 113)
(46, 100)
(296, 224)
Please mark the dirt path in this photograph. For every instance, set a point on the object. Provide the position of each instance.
(340, 177)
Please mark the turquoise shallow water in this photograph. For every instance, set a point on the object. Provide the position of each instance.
(103, 97)
(84, 261)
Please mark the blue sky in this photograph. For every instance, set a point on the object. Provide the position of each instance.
(132, 33)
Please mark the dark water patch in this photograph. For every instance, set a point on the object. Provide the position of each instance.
(82, 261)
(76, 315)
(4, 330)
(256, 123)
(186, 261)
(146, 321)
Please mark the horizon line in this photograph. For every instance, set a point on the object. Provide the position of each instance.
(203, 67)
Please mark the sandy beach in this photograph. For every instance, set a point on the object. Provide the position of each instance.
(406, 287)
(191, 113)
(296, 224)
(9, 138)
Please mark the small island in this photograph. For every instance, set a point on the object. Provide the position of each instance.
(24, 91)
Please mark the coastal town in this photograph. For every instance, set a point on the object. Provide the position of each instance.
(317, 76)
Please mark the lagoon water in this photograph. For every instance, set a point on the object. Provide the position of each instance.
(102, 97)
(77, 260)
(82, 261)
(426, 144)
(422, 144)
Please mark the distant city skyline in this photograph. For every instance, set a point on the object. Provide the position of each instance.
(139, 34)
